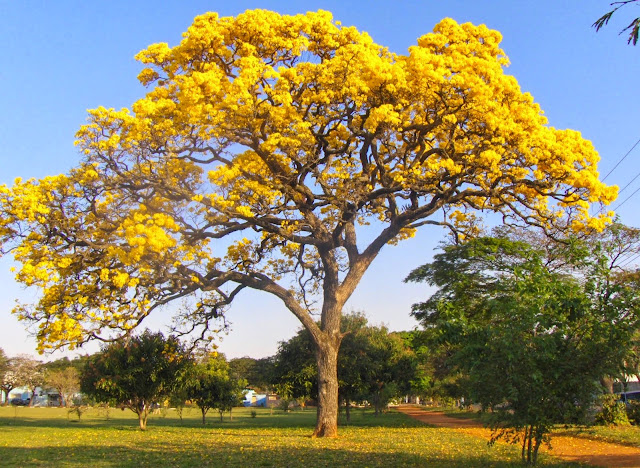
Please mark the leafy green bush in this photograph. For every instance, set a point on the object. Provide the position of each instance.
(633, 412)
(613, 412)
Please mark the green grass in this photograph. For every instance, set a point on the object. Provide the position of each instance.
(44, 437)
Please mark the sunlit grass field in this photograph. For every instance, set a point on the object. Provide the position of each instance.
(52, 437)
(624, 435)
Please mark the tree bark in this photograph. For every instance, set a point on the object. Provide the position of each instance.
(347, 409)
(142, 410)
(142, 419)
(327, 358)
(6, 394)
(607, 384)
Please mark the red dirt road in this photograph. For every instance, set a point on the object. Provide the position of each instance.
(567, 448)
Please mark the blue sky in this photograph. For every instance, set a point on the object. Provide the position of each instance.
(61, 58)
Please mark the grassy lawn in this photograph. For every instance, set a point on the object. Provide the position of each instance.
(46, 437)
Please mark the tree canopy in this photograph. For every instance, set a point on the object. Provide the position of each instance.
(135, 373)
(209, 385)
(65, 381)
(264, 146)
(532, 341)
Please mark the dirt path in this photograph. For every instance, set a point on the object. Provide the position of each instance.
(568, 448)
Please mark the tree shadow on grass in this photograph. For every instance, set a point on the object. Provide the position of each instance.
(277, 420)
(232, 455)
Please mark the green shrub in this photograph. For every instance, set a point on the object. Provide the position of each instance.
(613, 412)
(633, 412)
(254, 413)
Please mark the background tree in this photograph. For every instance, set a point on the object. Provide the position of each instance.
(231, 395)
(65, 381)
(433, 378)
(295, 374)
(4, 368)
(4, 362)
(210, 385)
(354, 361)
(391, 370)
(264, 145)
(8, 377)
(29, 372)
(257, 372)
(373, 365)
(633, 28)
(533, 343)
(135, 373)
(77, 363)
(179, 396)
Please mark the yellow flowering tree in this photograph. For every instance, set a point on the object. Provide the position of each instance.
(263, 146)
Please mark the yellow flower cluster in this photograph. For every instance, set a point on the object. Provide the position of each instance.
(295, 129)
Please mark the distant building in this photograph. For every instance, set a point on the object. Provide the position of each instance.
(265, 400)
(41, 398)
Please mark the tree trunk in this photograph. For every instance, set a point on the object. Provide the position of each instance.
(377, 402)
(607, 384)
(347, 409)
(204, 413)
(327, 358)
(142, 419)
(535, 450)
(142, 410)
(6, 395)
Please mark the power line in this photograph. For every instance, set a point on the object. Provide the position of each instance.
(622, 159)
(626, 199)
(632, 259)
(603, 208)
(626, 256)
(632, 180)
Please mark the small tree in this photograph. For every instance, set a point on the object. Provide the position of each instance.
(7, 376)
(533, 342)
(136, 372)
(29, 373)
(180, 394)
(65, 381)
(210, 386)
(205, 382)
(230, 396)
